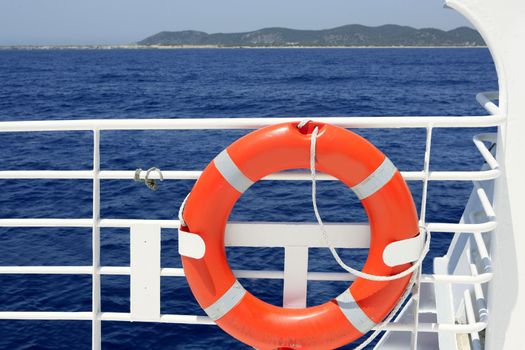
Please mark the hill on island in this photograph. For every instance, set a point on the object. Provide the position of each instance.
(349, 35)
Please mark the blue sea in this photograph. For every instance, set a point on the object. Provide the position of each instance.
(203, 83)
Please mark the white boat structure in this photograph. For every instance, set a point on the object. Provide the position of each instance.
(475, 297)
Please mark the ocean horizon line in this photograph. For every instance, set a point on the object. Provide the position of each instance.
(180, 47)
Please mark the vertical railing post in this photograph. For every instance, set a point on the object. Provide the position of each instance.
(295, 277)
(96, 336)
(422, 222)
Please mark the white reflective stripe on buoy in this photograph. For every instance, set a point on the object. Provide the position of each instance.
(375, 181)
(231, 172)
(353, 312)
(226, 302)
(404, 251)
(191, 245)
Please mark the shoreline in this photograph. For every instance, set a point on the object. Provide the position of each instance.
(185, 47)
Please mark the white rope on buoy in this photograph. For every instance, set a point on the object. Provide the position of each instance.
(330, 246)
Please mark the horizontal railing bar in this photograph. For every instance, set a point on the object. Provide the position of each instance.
(166, 174)
(457, 279)
(482, 175)
(126, 223)
(462, 228)
(164, 272)
(106, 223)
(46, 222)
(126, 271)
(204, 320)
(45, 315)
(262, 234)
(269, 234)
(47, 174)
(251, 274)
(250, 123)
(485, 99)
(436, 327)
(479, 175)
(195, 174)
(166, 318)
(46, 270)
(479, 142)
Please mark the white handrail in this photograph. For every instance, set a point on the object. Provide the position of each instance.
(434, 227)
(481, 175)
(250, 123)
(204, 320)
(251, 274)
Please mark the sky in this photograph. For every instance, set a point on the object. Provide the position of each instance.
(54, 22)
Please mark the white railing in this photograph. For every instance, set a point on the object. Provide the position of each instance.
(295, 274)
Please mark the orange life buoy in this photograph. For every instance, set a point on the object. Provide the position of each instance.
(340, 153)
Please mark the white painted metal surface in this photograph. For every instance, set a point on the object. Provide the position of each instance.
(446, 314)
(405, 251)
(191, 245)
(295, 276)
(253, 123)
(145, 272)
(501, 24)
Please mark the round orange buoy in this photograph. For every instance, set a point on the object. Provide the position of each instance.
(340, 153)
